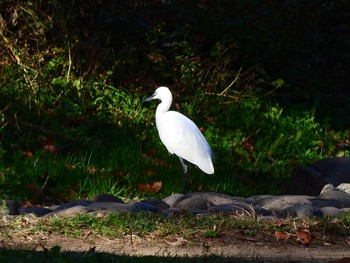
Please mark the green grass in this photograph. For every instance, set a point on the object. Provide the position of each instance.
(252, 156)
(194, 228)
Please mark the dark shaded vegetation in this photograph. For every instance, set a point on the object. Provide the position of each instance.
(55, 255)
(267, 81)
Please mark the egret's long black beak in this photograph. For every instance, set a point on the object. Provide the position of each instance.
(148, 98)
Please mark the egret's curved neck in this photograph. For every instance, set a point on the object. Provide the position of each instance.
(163, 106)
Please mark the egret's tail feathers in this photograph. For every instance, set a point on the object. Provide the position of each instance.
(207, 167)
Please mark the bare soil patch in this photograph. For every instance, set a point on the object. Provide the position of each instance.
(228, 245)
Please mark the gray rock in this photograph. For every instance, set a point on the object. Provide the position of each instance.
(319, 202)
(345, 187)
(194, 203)
(288, 206)
(298, 210)
(256, 199)
(158, 203)
(109, 206)
(331, 211)
(170, 212)
(54, 207)
(274, 203)
(141, 206)
(231, 208)
(36, 210)
(107, 198)
(327, 188)
(74, 203)
(70, 211)
(12, 206)
(198, 211)
(173, 199)
(345, 210)
(341, 199)
(215, 198)
(259, 211)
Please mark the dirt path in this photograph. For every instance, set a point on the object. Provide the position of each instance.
(147, 246)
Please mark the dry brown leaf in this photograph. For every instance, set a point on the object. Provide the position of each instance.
(304, 237)
(282, 235)
(50, 148)
(153, 187)
(92, 170)
(27, 154)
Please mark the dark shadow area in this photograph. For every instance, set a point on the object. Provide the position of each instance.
(55, 255)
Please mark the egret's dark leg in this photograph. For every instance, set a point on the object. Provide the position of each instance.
(184, 168)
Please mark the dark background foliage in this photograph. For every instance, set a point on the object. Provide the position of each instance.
(254, 74)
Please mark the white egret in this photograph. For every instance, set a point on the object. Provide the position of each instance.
(180, 135)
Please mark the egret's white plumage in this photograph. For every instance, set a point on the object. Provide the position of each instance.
(180, 135)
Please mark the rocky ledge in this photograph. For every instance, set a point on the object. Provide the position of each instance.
(332, 201)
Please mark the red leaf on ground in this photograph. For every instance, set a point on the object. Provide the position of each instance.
(92, 170)
(50, 148)
(282, 235)
(304, 237)
(153, 187)
(27, 154)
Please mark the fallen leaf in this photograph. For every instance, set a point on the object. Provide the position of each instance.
(92, 170)
(282, 235)
(27, 154)
(50, 148)
(304, 237)
(153, 187)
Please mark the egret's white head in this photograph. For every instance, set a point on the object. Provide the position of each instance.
(161, 93)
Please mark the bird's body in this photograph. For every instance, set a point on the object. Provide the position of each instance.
(180, 135)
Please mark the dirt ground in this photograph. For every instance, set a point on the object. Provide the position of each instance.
(240, 248)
